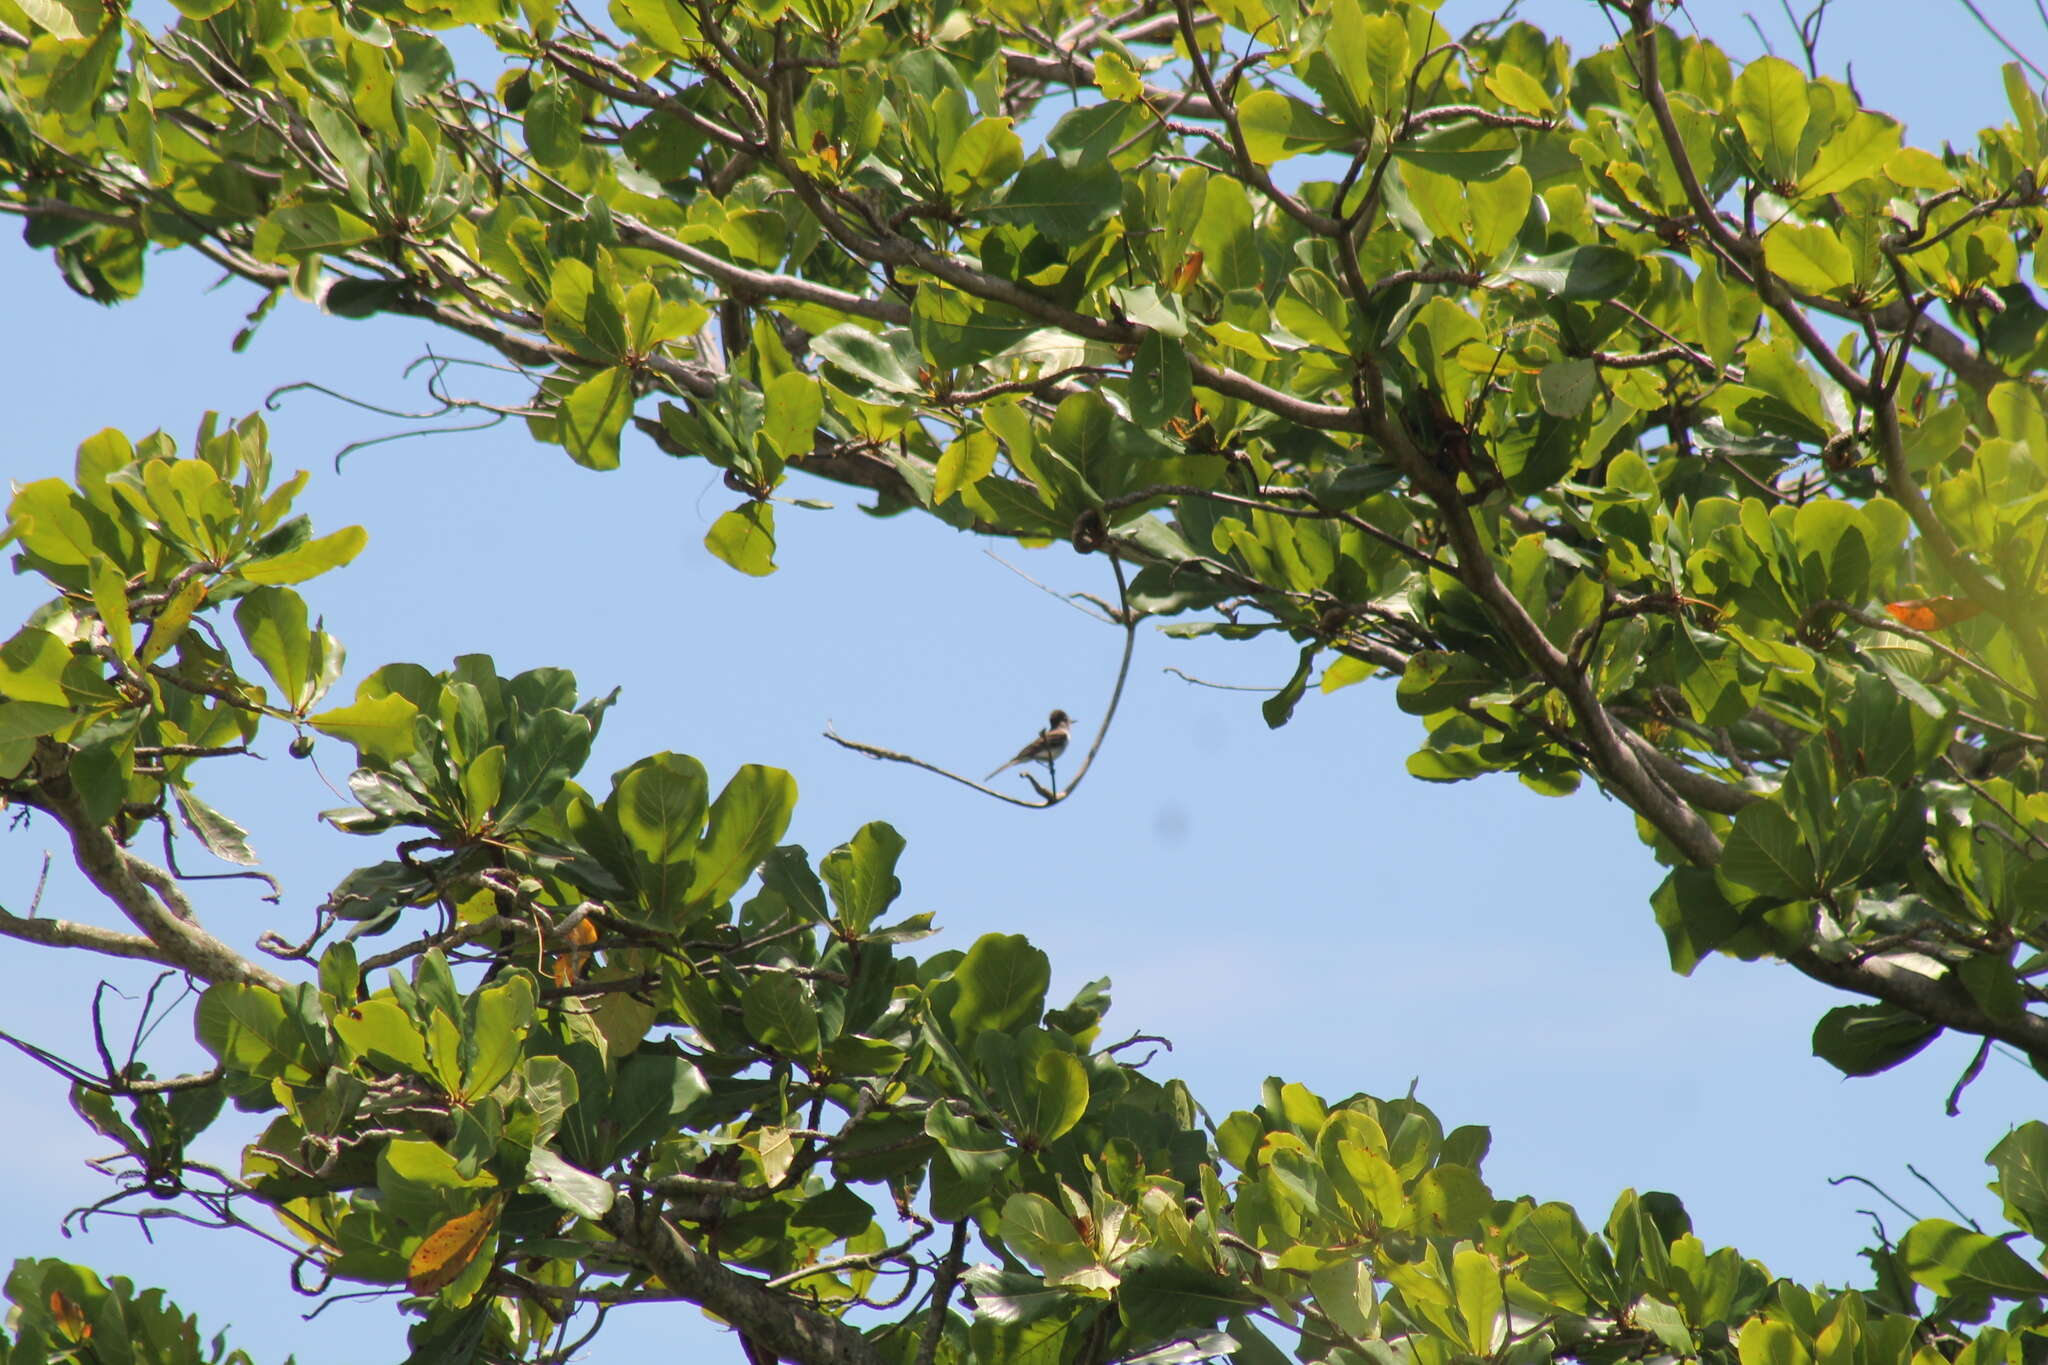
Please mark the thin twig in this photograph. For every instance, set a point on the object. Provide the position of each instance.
(1047, 798)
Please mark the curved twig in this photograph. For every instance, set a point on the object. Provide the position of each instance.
(1047, 798)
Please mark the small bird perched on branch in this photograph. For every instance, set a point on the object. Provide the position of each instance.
(1049, 745)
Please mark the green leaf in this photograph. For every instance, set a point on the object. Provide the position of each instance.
(1862, 1040)
(1832, 539)
(755, 237)
(787, 874)
(110, 599)
(1771, 108)
(50, 521)
(1857, 150)
(955, 330)
(1476, 1289)
(1465, 149)
(551, 747)
(593, 414)
(32, 668)
(791, 407)
(1435, 681)
(1065, 203)
(1162, 385)
(1766, 1341)
(861, 876)
(1567, 387)
(654, 1091)
(1277, 126)
(779, 1014)
(379, 727)
(1809, 257)
(249, 1029)
(1035, 1083)
(381, 1031)
(59, 19)
(1451, 1201)
(1166, 1298)
(986, 155)
(745, 538)
(1314, 310)
(28, 719)
(1343, 1290)
(1034, 1228)
(1516, 88)
(223, 838)
(585, 310)
(1765, 854)
(315, 228)
(2021, 1158)
(1278, 709)
(1992, 984)
(567, 1187)
(965, 463)
(1580, 272)
(313, 558)
(1498, 208)
(888, 361)
(1864, 815)
(1953, 1260)
(1002, 984)
(665, 24)
(1695, 916)
(659, 804)
(273, 625)
(747, 820)
(498, 1018)
(554, 122)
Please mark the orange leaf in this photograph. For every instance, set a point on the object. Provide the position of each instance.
(448, 1249)
(1190, 270)
(71, 1323)
(1931, 613)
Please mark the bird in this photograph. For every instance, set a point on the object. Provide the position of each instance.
(1049, 744)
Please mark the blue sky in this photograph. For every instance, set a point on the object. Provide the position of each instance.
(1281, 902)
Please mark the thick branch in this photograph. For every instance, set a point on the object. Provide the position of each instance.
(64, 933)
(1619, 762)
(1694, 787)
(144, 893)
(779, 1324)
(1939, 1000)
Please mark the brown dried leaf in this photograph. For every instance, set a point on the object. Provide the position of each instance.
(448, 1249)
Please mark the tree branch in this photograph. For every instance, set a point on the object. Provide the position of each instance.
(781, 1324)
(145, 893)
(1939, 1000)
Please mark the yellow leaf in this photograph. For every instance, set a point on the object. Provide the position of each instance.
(448, 1249)
(1117, 77)
(170, 623)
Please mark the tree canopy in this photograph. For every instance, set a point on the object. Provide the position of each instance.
(1639, 418)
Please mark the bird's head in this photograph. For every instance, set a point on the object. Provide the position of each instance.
(1060, 719)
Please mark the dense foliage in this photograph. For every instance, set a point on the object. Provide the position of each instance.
(1650, 421)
